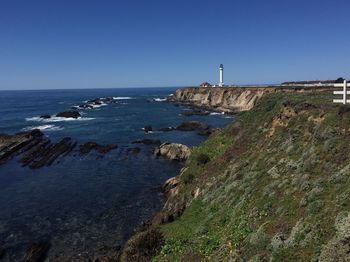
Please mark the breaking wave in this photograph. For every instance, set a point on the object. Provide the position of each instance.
(54, 119)
(122, 97)
(43, 127)
(159, 99)
(217, 113)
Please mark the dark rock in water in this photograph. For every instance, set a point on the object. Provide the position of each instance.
(133, 150)
(148, 128)
(192, 125)
(92, 145)
(10, 145)
(87, 147)
(45, 116)
(36, 150)
(107, 148)
(69, 114)
(2, 253)
(167, 129)
(195, 113)
(147, 141)
(45, 156)
(37, 252)
(36, 133)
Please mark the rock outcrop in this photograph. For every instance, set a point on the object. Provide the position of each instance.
(229, 99)
(69, 114)
(36, 150)
(147, 129)
(173, 151)
(195, 112)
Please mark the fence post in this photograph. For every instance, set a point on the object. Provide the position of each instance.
(344, 90)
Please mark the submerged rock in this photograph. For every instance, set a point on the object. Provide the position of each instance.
(2, 253)
(192, 126)
(147, 141)
(45, 116)
(173, 151)
(69, 114)
(133, 150)
(167, 129)
(195, 113)
(37, 252)
(92, 145)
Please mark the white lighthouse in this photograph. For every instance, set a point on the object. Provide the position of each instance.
(221, 83)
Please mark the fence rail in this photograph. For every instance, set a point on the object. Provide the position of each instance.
(343, 92)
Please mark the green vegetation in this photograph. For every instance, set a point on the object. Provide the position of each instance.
(273, 186)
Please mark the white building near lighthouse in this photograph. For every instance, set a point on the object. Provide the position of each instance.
(221, 83)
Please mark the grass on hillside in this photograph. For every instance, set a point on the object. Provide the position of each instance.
(272, 185)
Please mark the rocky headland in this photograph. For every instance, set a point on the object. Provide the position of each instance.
(230, 99)
(272, 186)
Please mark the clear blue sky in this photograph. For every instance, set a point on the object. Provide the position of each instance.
(133, 43)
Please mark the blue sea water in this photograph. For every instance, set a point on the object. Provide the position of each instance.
(86, 204)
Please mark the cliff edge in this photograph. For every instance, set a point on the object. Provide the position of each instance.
(272, 186)
(231, 99)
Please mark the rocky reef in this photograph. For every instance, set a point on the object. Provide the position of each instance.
(173, 151)
(34, 149)
(272, 186)
(230, 99)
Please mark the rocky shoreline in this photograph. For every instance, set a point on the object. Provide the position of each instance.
(34, 150)
(231, 99)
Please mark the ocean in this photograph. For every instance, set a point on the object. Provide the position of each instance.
(84, 205)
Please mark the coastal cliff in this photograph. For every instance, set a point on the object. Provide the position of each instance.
(272, 186)
(230, 99)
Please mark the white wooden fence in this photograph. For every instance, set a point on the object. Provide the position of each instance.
(344, 93)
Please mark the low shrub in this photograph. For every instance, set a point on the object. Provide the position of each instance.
(202, 158)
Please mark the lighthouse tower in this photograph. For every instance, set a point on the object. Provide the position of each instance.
(221, 83)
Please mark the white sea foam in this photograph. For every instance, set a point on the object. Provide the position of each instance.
(43, 127)
(217, 113)
(97, 106)
(54, 119)
(159, 99)
(122, 97)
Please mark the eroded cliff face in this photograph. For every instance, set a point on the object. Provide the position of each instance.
(230, 99)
